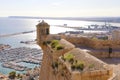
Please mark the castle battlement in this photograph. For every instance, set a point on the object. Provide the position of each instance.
(63, 61)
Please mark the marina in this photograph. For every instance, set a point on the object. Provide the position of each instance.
(20, 59)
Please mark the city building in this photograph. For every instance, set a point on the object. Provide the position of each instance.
(116, 35)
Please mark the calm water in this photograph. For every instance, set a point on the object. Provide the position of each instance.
(12, 25)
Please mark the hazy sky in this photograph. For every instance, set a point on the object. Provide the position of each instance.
(60, 8)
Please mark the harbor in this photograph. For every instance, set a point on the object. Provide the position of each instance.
(94, 27)
(18, 58)
(22, 56)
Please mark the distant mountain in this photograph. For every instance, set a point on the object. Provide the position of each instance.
(97, 19)
(24, 17)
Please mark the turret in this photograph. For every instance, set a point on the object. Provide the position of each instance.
(42, 32)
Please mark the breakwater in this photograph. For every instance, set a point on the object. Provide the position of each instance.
(18, 33)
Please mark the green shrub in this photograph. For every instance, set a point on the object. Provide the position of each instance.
(59, 47)
(54, 43)
(69, 57)
(12, 75)
(78, 65)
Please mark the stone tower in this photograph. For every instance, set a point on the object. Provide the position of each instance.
(42, 32)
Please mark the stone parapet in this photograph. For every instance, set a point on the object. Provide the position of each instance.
(92, 43)
(92, 75)
(105, 54)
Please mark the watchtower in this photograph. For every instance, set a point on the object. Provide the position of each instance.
(42, 32)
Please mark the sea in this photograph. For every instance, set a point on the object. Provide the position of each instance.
(15, 25)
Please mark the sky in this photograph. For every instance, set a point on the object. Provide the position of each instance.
(60, 8)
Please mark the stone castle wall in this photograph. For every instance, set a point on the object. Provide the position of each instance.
(95, 75)
(92, 43)
(62, 72)
(96, 44)
(105, 54)
(49, 71)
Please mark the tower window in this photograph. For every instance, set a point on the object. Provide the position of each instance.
(47, 31)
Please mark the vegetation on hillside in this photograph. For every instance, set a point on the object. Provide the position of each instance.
(75, 64)
(56, 45)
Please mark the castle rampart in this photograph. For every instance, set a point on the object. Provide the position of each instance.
(63, 61)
